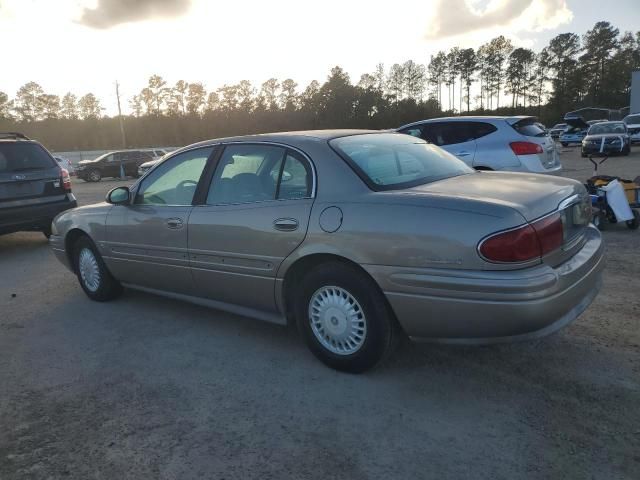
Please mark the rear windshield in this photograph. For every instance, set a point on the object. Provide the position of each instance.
(529, 128)
(22, 157)
(387, 161)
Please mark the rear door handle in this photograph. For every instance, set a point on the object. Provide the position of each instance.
(286, 224)
(174, 223)
(463, 154)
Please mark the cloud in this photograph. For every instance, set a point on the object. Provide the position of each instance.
(456, 17)
(109, 13)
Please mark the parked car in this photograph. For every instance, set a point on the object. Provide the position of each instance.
(354, 235)
(557, 130)
(633, 126)
(607, 138)
(66, 164)
(491, 143)
(110, 164)
(34, 188)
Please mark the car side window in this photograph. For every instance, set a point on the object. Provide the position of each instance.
(110, 158)
(446, 133)
(246, 173)
(413, 131)
(296, 178)
(480, 129)
(174, 182)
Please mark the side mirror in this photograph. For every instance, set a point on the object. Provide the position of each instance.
(286, 176)
(118, 196)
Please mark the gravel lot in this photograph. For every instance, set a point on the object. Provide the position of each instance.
(146, 387)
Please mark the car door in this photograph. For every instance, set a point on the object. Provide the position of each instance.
(255, 214)
(147, 239)
(454, 137)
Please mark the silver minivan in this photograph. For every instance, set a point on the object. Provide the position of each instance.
(514, 144)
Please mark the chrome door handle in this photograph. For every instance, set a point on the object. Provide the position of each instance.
(286, 224)
(174, 223)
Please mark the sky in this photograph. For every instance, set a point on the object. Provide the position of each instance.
(86, 45)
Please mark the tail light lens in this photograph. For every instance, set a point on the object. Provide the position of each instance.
(525, 243)
(65, 179)
(525, 148)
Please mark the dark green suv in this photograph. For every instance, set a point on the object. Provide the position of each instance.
(114, 164)
(33, 186)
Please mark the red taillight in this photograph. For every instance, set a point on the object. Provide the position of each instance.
(525, 148)
(65, 179)
(550, 233)
(524, 243)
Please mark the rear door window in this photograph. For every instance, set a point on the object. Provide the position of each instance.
(480, 129)
(447, 133)
(22, 157)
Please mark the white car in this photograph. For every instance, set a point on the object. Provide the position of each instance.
(515, 144)
(633, 126)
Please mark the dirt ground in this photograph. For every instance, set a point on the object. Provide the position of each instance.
(146, 387)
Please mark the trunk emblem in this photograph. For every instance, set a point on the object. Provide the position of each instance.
(19, 177)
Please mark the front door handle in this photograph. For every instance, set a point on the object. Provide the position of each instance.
(174, 223)
(463, 154)
(286, 224)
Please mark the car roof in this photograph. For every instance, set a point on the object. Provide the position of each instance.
(476, 118)
(295, 138)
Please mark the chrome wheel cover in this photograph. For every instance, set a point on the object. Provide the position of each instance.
(337, 320)
(89, 269)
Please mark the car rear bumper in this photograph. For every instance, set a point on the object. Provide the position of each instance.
(479, 307)
(33, 217)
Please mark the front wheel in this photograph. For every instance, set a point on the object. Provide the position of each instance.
(94, 176)
(344, 318)
(93, 275)
(564, 144)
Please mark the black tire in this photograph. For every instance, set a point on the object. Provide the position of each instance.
(627, 151)
(94, 176)
(564, 144)
(380, 332)
(635, 223)
(583, 154)
(46, 231)
(107, 287)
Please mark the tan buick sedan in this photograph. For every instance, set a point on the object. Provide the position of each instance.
(356, 236)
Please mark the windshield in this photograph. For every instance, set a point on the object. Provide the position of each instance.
(559, 126)
(388, 161)
(21, 157)
(632, 119)
(604, 128)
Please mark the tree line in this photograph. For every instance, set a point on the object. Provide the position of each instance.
(570, 72)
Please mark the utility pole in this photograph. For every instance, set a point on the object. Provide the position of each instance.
(124, 138)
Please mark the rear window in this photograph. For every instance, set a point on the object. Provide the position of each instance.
(528, 128)
(632, 119)
(387, 161)
(22, 157)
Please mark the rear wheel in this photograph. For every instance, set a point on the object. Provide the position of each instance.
(93, 275)
(344, 318)
(635, 222)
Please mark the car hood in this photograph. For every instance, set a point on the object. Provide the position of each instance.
(605, 135)
(532, 195)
